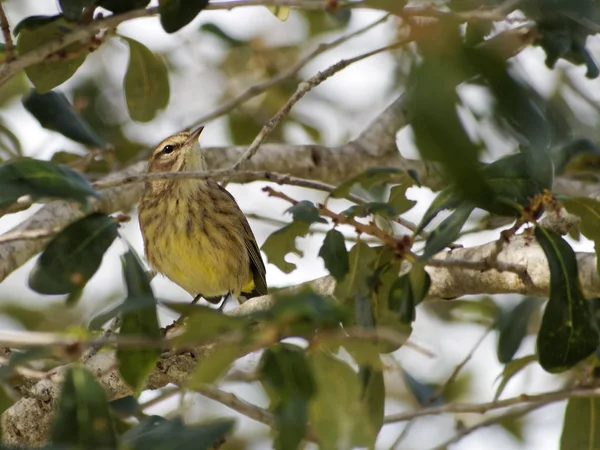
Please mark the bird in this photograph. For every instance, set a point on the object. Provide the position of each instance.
(193, 230)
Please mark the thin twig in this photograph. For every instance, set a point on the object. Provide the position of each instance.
(259, 88)
(9, 49)
(512, 414)
(301, 91)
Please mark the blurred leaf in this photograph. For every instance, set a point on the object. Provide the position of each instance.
(511, 369)
(373, 395)
(72, 9)
(588, 210)
(326, 21)
(313, 132)
(398, 199)
(215, 364)
(127, 306)
(408, 291)
(33, 22)
(83, 416)
(15, 148)
(392, 6)
(135, 364)
(371, 177)
(568, 333)
(355, 281)
(73, 256)
(423, 393)
(305, 211)
(54, 112)
(203, 323)
(19, 358)
(42, 179)
(363, 352)
(336, 410)
(287, 377)
(282, 242)
(335, 255)
(157, 433)
(146, 83)
(217, 31)
(48, 74)
(512, 328)
(446, 232)
(281, 12)
(581, 426)
(515, 426)
(176, 14)
(125, 406)
(244, 127)
(121, 6)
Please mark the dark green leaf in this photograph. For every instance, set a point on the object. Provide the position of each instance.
(335, 254)
(581, 426)
(176, 14)
(355, 282)
(135, 364)
(156, 433)
(336, 411)
(373, 395)
(306, 212)
(72, 9)
(42, 179)
(217, 31)
(425, 394)
(446, 199)
(568, 332)
(511, 369)
(125, 406)
(48, 74)
(282, 242)
(146, 83)
(203, 323)
(371, 177)
(512, 328)
(379, 208)
(83, 416)
(447, 231)
(215, 364)
(54, 112)
(73, 256)
(121, 6)
(408, 291)
(287, 376)
(33, 22)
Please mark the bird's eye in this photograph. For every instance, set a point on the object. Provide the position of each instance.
(167, 149)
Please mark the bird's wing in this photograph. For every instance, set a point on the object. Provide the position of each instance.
(257, 266)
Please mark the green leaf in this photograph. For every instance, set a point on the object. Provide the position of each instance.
(335, 255)
(281, 12)
(176, 14)
(33, 22)
(391, 6)
(511, 369)
(446, 199)
(126, 307)
(355, 282)
(72, 9)
(54, 112)
(373, 176)
(215, 364)
(146, 83)
(423, 393)
(125, 406)
(135, 364)
(18, 358)
(408, 291)
(157, 433)
(512, 328)
(378, 208)
(73, 256)
(447, 231)
(282, 242)
(203, 323)
(588, 211)
(398, 199)
(287, 376)
(306, 212)
(83, 416)
(121, 6)
(336, 410)
(373, 395)
(568, 332)
(48, 74)
(581, 426)
(42, 179)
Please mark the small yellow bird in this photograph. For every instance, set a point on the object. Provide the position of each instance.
(194, 232)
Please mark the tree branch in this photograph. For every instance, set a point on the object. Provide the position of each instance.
(9, 49)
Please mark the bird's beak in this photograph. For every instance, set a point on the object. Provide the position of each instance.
(194, 135)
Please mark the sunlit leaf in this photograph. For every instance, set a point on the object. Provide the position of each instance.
(512, 328)
(511, 369)
(146, 83)
(83, 416)
(135, 364)
(49, 73)
(73, 256)
(335, 254)
(54, 112)
(581, 425)
(287, 376)
(175, 14)
(42, 179)
(568, 333)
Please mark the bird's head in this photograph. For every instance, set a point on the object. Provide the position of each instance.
(177, 153)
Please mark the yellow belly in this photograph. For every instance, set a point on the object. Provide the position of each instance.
(202, 259)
